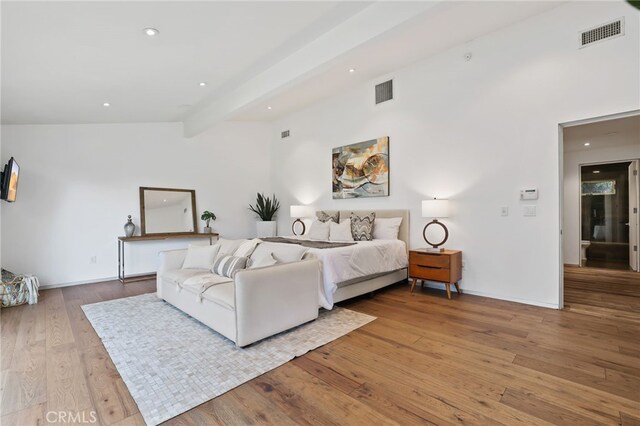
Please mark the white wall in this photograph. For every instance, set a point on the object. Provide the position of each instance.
(572, 162)
(476, 132)
(78, 183)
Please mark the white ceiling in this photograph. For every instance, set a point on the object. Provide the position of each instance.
(603, 134)
(62, 60)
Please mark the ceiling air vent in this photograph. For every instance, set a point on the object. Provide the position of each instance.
(603, 32)
(284, 134)
(384, 91)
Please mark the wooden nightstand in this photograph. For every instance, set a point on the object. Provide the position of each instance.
(442, 266)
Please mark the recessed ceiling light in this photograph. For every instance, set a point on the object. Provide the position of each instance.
(164, 201)
(203, 83)
(352, 70)
(596, 171)
(106, 104)
(587, 143)
(268, 107)
(151, 32)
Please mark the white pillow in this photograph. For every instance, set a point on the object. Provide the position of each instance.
(265, 259)
(340, 232)
(386, 228)
(319, 230)
(283, 253)
(246, 248)
(200, 257)
(229, 246)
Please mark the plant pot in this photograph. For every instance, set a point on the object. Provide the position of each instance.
(207, 230)
(266, 229)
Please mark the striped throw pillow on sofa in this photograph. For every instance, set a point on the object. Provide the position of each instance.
(227, 265)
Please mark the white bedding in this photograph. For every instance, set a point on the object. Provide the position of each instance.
(359, 260)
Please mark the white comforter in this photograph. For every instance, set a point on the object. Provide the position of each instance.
(359, 260)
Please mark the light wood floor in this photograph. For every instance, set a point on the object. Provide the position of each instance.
(425, 360)
(602, 292)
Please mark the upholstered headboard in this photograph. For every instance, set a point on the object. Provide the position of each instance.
(403, 233)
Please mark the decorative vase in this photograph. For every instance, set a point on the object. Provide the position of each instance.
(266, 229)
(129, 227)
(207, 230)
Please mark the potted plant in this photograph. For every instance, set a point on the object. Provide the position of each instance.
(207, 216)
(266, 209)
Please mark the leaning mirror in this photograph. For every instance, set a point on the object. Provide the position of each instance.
(167, 211)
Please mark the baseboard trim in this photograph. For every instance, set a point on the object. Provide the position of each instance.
(97, 280)
(499, 297)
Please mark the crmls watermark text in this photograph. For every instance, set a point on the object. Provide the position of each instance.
(72, 417)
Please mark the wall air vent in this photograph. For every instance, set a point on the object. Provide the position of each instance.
(284, 134)
(602, 32)
(384, 91)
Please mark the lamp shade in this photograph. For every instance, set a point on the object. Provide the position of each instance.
(299, 211)
(435, 208)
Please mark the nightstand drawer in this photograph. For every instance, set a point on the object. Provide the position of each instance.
(427, 273)
(427, 259)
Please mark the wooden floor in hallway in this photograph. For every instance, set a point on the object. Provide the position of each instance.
(602, 292)
(424, 360)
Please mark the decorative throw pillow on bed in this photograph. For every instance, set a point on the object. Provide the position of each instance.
(319, 230)
(362, 226)
(340, 232)
(265, 259)
(326, 217)
(200, 257)
(227, 265)
(246, 248)
(386, 228)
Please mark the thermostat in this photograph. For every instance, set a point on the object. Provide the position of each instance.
(529, 194)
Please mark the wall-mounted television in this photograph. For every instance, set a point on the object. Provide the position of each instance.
(9, 181)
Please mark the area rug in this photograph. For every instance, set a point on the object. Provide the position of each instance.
(172, 363)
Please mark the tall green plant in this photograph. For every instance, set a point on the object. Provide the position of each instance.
(265, 207)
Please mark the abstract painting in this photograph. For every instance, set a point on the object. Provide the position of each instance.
(361, 169)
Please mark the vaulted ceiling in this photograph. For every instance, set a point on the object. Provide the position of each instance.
(62, 61)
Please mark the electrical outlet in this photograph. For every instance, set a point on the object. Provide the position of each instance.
(529, 211)
(94, 259)
(504, 211)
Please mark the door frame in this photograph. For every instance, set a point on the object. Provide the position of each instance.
(581, 165)
(561, 127)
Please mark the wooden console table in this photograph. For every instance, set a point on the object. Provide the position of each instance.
(122, 240)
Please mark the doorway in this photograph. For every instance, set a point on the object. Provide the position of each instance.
(607, 226)
(599, 215)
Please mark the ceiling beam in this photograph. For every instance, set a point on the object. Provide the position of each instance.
(370, 23)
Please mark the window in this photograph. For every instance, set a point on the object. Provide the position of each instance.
(599, 187)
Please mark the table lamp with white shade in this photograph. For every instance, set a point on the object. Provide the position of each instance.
(435, 209)
(298, 212)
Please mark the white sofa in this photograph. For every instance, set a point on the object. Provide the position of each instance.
(255, 304)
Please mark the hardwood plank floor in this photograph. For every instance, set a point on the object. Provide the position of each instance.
(603, 292)
(425, 360)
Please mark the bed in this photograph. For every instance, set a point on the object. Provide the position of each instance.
(366, 266)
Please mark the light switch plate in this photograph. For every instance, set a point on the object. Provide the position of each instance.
(529, 211)
(504, 211)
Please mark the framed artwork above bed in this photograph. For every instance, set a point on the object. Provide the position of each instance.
(361, 169)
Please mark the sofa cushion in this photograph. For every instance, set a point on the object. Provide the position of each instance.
(221, 294)
(246, 248)
(178, 276)
(199, 283)
(265, 259)
(200, 257)
(228, 246)
(283, 253)
(227, 266)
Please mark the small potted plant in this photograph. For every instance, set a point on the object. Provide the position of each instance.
(266, 209)
(207, 216)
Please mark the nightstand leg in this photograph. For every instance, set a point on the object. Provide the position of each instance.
(413, 284)
(457, 288)
(449, 290)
